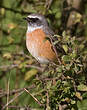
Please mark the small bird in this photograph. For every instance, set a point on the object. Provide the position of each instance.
(38, 41)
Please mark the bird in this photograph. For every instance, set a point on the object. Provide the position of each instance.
(39, 38)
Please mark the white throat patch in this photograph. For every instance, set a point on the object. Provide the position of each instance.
(30, 28)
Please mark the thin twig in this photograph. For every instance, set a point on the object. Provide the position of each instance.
(9, 66)
(15, 11)
(8, 88)
(47, 99)
(17, 65)
(34, 66)
(2, 94)
(19, 107)
(33, 97)
(12, 100)
(55, 51)
(48, 4)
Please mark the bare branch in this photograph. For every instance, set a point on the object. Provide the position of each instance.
(33, 97)
(59, 61)
(48, 4)
(9, 67)
(12, 100)
(15, 11)
(76, 4)
(2, 94)
(19, 107)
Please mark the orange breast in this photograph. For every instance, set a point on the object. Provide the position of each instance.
(42, 46)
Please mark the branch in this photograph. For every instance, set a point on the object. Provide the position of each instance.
(18, 107)
(9, 67)
(70, 9)
(33, 97)
(59, 61)
(12, 100)
(48, 4)
(2, 94)
(76, 4)
(15, 11)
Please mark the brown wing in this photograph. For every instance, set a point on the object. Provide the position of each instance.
(50, 34)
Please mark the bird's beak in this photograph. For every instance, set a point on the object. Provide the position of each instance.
(27, 19)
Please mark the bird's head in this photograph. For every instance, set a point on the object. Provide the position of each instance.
(36, 21)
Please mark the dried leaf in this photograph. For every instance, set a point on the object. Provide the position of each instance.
(30, 73)
(2, 10)
(11, 26)
(78, 17)
(7, 55)
(78, 95)
(10, 40)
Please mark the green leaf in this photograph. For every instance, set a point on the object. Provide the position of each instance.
(65, 47)
(66, 58)
(82, 105)
(82, 87)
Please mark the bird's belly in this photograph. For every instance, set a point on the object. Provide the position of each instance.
(39, 47)
(34, 50)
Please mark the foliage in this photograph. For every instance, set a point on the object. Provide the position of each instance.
(63, 85)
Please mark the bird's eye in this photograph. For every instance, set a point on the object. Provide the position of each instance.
(34, 19)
